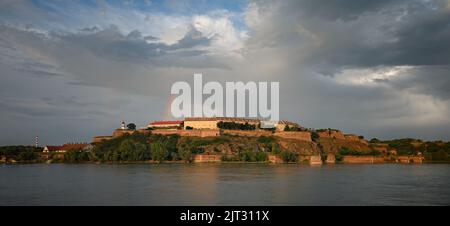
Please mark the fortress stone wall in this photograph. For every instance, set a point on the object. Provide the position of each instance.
(304, 136)
(189, 133)
(331, 159)
(331, 134)
(364, 159)
(410, 159)
(121, 132)
(199, 158)
(315, 160)
(275, 159)
(248, 133)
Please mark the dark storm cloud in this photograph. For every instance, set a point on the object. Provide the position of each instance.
(88, 68)
(111, 43)
(316, 38)
(429, 80)
(364, 33)
(338, 9)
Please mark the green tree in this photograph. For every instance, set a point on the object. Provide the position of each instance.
(288, 156)
(276, 149)
(314, 136)
(374, 140)
(159, 151)
(185, 152)
(261, 156)
(141, 152)
(126, 151)
(131, 126)
(266, 140)
(28, 155)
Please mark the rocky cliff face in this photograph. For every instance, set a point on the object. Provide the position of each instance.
(234, 144)
(334, 145)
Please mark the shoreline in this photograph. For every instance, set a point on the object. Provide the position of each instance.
(209, 163)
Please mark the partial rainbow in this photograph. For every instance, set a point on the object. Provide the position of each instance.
(168, 112)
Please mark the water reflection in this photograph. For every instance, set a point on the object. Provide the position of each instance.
(224, 184)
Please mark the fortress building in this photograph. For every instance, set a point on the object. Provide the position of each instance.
(117, 133)
(211, 123)
(204, 127)
(166, 125)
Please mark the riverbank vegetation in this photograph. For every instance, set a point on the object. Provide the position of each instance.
(139, 147)
(20, 153)
(433, 151)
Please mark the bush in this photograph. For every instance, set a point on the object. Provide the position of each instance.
(440, 156)
(131, 126)
(293, 128)
(20, 153)
(185, 152)
(345, 151)
(288, 156)
(76, 156)
(266, 140)
(235, 126)
(276, 149)
(28, 155)
(251, 156)
(159, 151)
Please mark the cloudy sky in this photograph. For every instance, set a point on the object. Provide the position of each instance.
(70, 70)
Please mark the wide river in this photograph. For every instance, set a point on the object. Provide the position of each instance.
(224, 184)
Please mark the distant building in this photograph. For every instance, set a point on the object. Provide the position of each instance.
(268, 124)
(66, 147)
(278, 125)
(281, 125)
(211, 122)
(116, 133)
(59, 151)
(166, 125)
(200, 123)
(49, 148)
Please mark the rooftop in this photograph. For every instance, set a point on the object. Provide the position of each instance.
(166, 123)
(221, 119)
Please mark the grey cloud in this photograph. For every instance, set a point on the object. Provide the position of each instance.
(338, 9)
(339, 34)
(110, 43)
(108, 75)
(310, 39)
(429, 80)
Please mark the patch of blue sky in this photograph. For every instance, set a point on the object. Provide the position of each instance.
(189, 8)
(68, 9)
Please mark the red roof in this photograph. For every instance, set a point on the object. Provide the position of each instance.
(67, 147)
(71, 146)
(166, 123)
(54, 148)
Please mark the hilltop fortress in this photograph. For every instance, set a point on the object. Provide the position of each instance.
(215, 126)
(309, 145)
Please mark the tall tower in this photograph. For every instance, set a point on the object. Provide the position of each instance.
(36, 141)
(123, 125)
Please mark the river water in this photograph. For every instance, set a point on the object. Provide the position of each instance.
(224, 184)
